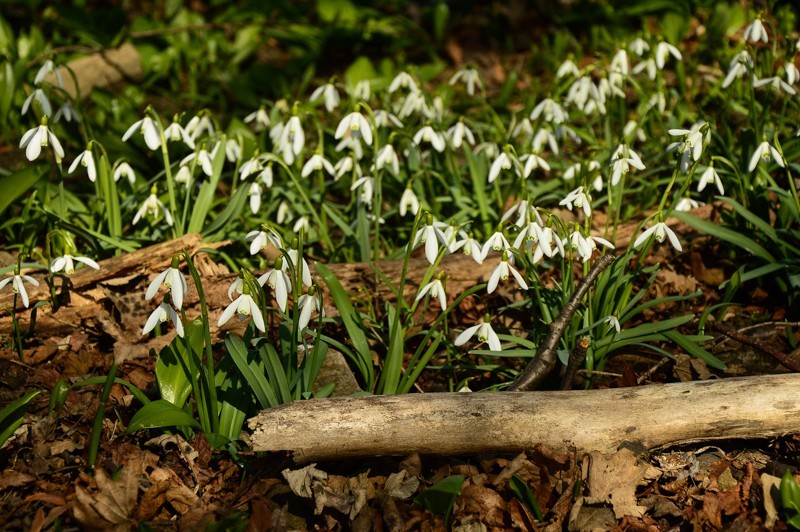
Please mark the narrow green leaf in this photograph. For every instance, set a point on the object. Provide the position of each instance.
(16, 184)
(251, 372)
(11, 416)
(97, 426)
(205, 197)
(159, 414)
(694, 349)
(728, 235)
(440, 497)
(174, 364)
(524, 494)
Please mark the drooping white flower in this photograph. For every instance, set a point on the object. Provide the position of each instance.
(579, 199)
(291, 140)
(308, 303)
(40, 137)
(532, 162)
(791, 72)
(542, 137)
(354, 126)
(497, 242)
(153, 206)
(429, 235)
(85, 159)
(344, 165)
(330, 95)
(316, 163)
(639, 46)
(567, 68)
(48, 68)
(776, 84)
(687, 204)
(501, 272)
(366, 187)
(18, 281)
(67, 112)
(123, 169)
(470, 77)
(484, 332)
(362, 90)
(623, 159)
(199, 125)
(661, 231)
(427, 134)
(183, 176)
(436, 290)
(387, 157)
(765, 152)
(173, 280)
(305, 272)
(160, 315)
(244, 305)
(550, 111)
(471, 247)
(549, 245)
(176, 132)
(65, 262)
(709, 177)
(409, 202)
(149, 130)
(403, 80)
(40, 96)
(755, 32)
(254, 194)
(204, 158)
(528, 236)
(585, 245)
(459, 132)
(663, 51)
(648, 66)
(740, 65)
(260, 119)
(280, 283)
(264, 237)
(384, 118)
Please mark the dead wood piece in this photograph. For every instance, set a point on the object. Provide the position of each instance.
(104, 69)
(784, 360)
(594, 420)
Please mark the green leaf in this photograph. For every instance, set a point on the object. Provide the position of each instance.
(231, 211)
(790, 492)
(97, 426)
(161, 413)
(11, 416)
(694, 349)
(728, 235)
(524, 494)
(251, 371)
(16, 184)
(208, 189)
(440, 497)
(58, 396)
(352, 322)
(174, 364)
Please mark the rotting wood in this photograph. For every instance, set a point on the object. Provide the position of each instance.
(469, 423)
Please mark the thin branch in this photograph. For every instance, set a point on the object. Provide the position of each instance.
(781, 358)
(546, 356)
(576, 358)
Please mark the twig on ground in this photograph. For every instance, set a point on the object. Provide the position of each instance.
(546, 356)
(781, 358)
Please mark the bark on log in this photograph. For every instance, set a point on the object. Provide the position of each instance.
(468, 423)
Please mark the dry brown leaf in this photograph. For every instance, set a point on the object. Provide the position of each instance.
(178, 495)
(484, 501)
(301, 480)
(613, 479)
(14, 479)
(111, 506)
(401, 485)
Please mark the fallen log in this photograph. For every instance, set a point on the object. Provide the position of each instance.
(584, 421)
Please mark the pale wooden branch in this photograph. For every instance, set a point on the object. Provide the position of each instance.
(468, 423)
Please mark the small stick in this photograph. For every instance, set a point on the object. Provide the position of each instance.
(781, 358)
(576, 358)
(546, 356)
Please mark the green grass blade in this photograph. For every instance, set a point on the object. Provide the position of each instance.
(694, 349)
(251, 372)
(16, 184)
(205, 198)
(723, 233)
(159, 414)
(11, 416)
(97, 426)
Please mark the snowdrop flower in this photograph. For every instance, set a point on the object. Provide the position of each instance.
(149, 130)
(387, 157)
(403, 80)
(709, 177)
(430, 236)
(524, 209)
(585, 246)
(330, 95)
(496, 242)
(470, 77)
(367, 186)
(613, 323)
(409, 202)
(67, 112)
(484, 332)
(764, 152)
(502, 272)
(173, 280)
(427, 134)
(17, 281)
(266, 175)
(292, 140)
(251, 166)
(623, 159)
(260, 119)
(550, 111)
(284, 213)
(160, 315)
(542, 137)
(301, 224)
(522, 129)
(65, 262)
(353, 144)
(567, 68)
(458, 133)
(776, 83)
(203, 158)
(489, 149)
(183, 176)
(470, 246)
(362, 90)
(692, 144)
(386, 119)
(791, 72)
(40, 137)
(316, 163)
(40, 96)
(356, 127)
(244, 305)
(504, 161)
(639, 46)
(47, 68)
(308, 304)
(687, 204)
(579, 199)
(532, 162)
(153, 206)
(345, 165)
(528, 236)
(305, 272)
(740, 65)
(648, 66)
(280, 283)
(663, 51)
(755, 32)
(123, 169)
(176, 132)
(549, 245)
(255, 196)
(632, 132)
(200, 124)
(263, 238)
(619, 63)
(233, 150)
(661, 231)
(436, 290)
(86, 159)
